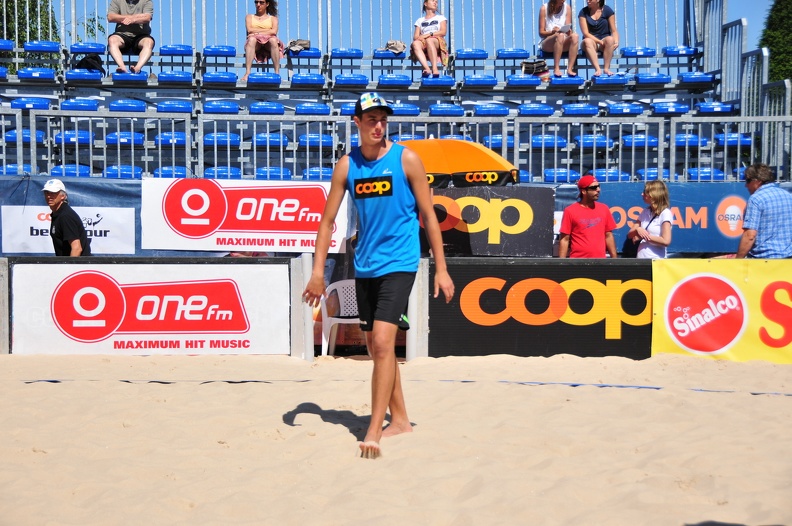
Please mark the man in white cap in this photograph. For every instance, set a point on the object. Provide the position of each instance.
(388, 185)
(66, 230)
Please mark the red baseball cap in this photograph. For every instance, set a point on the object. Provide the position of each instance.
(586, 181)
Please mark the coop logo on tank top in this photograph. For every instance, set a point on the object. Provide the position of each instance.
(706, 314)
(373, 187)
(90, 306)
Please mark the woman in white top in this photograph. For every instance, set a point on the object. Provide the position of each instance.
(653, 227)
(428, 40)
(554, 16)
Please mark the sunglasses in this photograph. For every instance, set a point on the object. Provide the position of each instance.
(594, 187)
(257, 3)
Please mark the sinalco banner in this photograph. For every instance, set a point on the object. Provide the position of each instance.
(725, 309)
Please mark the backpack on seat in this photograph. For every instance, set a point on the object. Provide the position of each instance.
(92, 62)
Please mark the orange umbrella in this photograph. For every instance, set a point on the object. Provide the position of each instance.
(467, 163)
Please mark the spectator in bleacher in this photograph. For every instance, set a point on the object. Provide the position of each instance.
(388, 187)
(262, 42)
(67, 231)
(132, 33)
(587, 226)
(767, 223)
(653, 229)
(429, 46)
(558, 34)
(598, 25)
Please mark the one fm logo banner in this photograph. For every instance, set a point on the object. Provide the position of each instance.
(91, 306)
(706, 314)
(197, 208)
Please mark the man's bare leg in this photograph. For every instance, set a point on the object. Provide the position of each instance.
(145, 50)
(114, 44)
(381, 342)
(399, 422)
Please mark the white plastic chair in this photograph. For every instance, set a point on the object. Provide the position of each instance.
(347, 312)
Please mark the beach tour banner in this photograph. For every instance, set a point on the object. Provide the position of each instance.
(723, 309)
(155, 308)
(535, 307)
(211, 215)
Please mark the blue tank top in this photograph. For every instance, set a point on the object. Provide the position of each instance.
(387, 215)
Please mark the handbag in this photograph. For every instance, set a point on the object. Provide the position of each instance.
(534, 67)
(630, 246)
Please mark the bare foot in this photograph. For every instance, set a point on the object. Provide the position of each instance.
(396, 429)
(370, 449)
(121, 70)
(244, 78)
(608, 72)
(597, 73)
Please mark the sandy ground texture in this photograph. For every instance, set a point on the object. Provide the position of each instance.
(202, 440)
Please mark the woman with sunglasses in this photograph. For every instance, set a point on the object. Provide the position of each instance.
(262, 42)
(429, 46)
(653, 228)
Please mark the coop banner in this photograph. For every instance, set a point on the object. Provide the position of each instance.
(728, 309)
(26, 229)
(229, 216)
(128, 309)
(496, 221)
(536, 307)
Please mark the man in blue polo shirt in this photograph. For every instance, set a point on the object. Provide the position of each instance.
(767, 224)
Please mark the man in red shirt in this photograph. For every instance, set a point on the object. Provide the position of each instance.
(587, 226)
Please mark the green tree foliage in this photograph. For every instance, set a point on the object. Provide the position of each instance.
(25, 20)
(776, 38)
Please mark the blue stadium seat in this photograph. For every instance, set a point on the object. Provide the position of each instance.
(491, 110)
(3, 73)
(625, 108)
(457, 136)
(405, 109)
(691, 140)
(394, 80)
(640, 140)
(71, 170)
(739, 173)
(83, 75)
(350, 80)
(138, 78)
(176, 50)
(6, 45)
(407, 137)
(125, 137)
(222, 139)
(346, 53)
(560, 175)
(652, 79)
(167, 172)
(276, 140)
(317, 173)
(445, 109)
(609, 175)
(733, 139)
(276, 173)
(10, 136)
(264, 78)
(308, 80)
(579, 109)
(669, 108)
(16, 169)
(548, 141)
(714, 108)
(221, 106)
(74, 137)
(312, 108)
(522, 80)
(445, 81)
(634, 52)
(174, 106)
(223, 172)
(535, 109)
(612, 80)
(679, 51)
(123, 171)
(695, 77)
(175, 77)
(171, 138)
(30, 103)
(525, 176)
(315, 140)
(651, 174)
(267, 108)
(311, 52)
(512, 53)
(42, 46)
(567, 81)
(705, 174)
(80, 105)
(495, 142)
(219, 77)
(593, 140)
(128, 105)
(384, 54)
(219, 51)
(354, 140)
(479, 81)
(471, 54)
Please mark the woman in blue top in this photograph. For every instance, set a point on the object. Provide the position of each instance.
(598, 26)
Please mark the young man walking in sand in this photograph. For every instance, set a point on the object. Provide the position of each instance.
(388, 185)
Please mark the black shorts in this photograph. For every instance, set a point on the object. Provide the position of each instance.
(131, 42)
(384, 299)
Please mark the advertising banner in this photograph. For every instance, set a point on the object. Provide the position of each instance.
(496, 221)
(131, 309)
(112, 230)
(727, 309)
(262, 216)
(544, 307)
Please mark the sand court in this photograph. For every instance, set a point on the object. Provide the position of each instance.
(498, 440)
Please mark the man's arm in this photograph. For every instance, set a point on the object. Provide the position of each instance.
(610, 244)
(746, 242)
(114, 15)
(416, 175)
(563, 246)
(316, 286)
(76, 248)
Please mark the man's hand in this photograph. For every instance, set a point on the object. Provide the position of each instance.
(443, 282)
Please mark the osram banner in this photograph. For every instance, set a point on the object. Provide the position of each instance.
(542, 308)
(150, 309)
(26, 229)
(726, 309)
(206, 214)
(496, 221)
